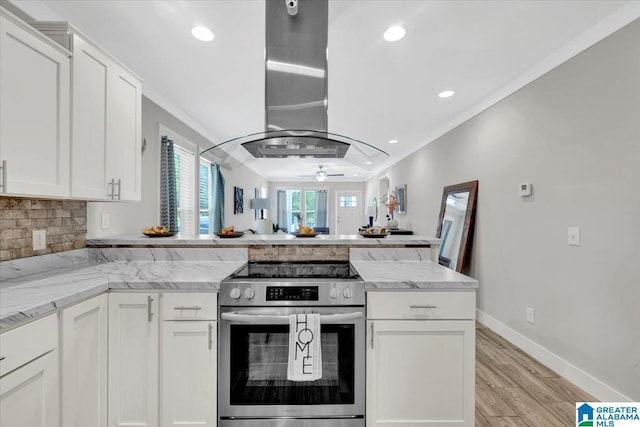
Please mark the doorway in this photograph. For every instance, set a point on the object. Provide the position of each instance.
(349, 212)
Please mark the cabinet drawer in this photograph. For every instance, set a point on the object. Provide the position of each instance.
(21, 345)
(189, 306)
(421, 305)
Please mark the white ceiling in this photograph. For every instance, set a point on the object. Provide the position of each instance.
(378, 90)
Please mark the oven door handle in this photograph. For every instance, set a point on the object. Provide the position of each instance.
(265, 319)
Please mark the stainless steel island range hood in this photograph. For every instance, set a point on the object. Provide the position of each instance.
(296, 83)
(296, 75)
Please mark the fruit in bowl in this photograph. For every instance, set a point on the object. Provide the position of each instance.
(157, 229)
(305, 230)
(227, 231)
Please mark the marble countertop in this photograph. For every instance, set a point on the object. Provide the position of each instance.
(32, 296)
(262, 239)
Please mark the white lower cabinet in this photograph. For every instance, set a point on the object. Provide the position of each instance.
(84, 363)
(189, 350)
(420, 368)
(133, 359)
(189, 374)
(29, 382)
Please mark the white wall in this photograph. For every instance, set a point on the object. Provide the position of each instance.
(333, 188)
(131, 217)
(575, 134)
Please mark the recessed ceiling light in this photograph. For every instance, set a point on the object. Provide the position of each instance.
(369, 162)
(202, 33)
(446, 94)
(395, 33)
(355, 174)
(393, 141)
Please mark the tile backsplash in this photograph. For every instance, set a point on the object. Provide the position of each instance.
(65, 222)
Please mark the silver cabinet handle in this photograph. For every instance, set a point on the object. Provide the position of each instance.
(149, 308)
(210, 336)
(371, 335)
(182, 307)
(266, 319)
(423, 306)
(119, 188)
(2, 358)
(4, 176)
(112, 184)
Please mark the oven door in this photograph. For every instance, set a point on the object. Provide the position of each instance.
(253, 356)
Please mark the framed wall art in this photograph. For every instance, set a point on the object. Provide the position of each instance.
(238, 200)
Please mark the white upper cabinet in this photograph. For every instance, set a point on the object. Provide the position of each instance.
(124, 96)
(105, 120)
(34, 112)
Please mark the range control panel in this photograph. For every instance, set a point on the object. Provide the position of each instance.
(292, 293)
(242, 293)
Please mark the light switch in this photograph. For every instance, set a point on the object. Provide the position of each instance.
(574, 236)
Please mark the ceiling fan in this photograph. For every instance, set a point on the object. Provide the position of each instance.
(321, 174)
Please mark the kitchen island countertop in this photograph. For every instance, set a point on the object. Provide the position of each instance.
(29, 297)
(133, 240)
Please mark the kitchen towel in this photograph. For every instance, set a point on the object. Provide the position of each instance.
(305, 353)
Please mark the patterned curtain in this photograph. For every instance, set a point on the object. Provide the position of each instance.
(168, 193)
(321, 208)
(282, 210)
(217, 199)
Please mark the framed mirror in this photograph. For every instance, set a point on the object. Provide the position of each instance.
(401, 194)
(455, 224)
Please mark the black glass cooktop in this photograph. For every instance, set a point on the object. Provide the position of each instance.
(296, 270)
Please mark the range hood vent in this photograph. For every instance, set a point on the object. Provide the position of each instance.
(285, 145)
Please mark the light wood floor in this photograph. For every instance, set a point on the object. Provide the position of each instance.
(514, 389)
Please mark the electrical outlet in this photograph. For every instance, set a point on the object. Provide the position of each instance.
(105, 221)
(531, 315)
(39, 240)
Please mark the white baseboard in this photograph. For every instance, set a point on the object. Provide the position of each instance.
(586, 382)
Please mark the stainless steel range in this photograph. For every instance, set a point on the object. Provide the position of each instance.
(255, 307)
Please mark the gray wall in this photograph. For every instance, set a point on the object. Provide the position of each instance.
(575, 134)
(131, 217)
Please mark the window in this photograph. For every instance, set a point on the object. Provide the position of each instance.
(185, 177)
(205, 192)
(348, 201)
(296, 207)
(194, 183)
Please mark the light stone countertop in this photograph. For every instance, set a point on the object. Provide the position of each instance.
(262, 239)
(29, 297)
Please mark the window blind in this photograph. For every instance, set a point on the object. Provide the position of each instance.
(185, 177)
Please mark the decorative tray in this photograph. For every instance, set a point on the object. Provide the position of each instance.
(305, 234)
(167, 234)
(374, 235)
(230, 236)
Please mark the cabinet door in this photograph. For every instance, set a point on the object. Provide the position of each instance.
(133, 359)
(29, 396)
(34, 113)
(84, 363)
(124, 133)
(420, 373)
(88, 122)
(189, 374)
